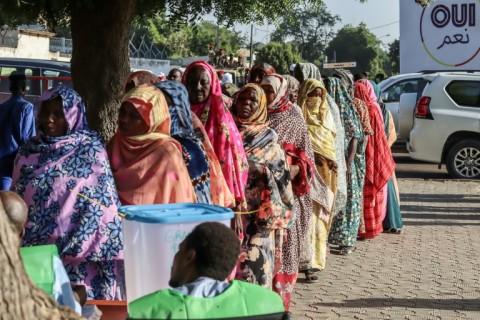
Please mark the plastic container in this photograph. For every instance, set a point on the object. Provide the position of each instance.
(152, 235)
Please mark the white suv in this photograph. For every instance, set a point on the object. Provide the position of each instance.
(447, 124)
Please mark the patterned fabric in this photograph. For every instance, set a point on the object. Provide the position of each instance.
(318, 118)
(379, 167)
(269, 190)
(293, 135)
(293, 84)
(265, 67)
(72, 202)
(139, 77)
(280, 86)
(362, 111)
(345, 225)
(223, 133)
(219, 191)
(181, 130)
(307, 71)
(149, 168)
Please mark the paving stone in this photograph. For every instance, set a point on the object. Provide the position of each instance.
(430, 271)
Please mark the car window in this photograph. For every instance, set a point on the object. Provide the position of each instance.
(393, 92)
(465, 93)
(30, 87)
(55, 82)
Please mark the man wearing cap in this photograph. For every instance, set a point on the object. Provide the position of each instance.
(17, 125)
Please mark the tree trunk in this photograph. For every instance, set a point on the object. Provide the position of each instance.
(100, 58)
(19, 297)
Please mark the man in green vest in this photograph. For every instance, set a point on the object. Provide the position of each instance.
(204, 260)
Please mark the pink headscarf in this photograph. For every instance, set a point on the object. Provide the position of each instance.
(222, 131)
(371, 96)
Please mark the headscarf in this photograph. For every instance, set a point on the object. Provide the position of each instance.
(293, 84)
(281, 102)
(227, 78)
(265, 67)
(149, 168)
(139, 77)
(350, 119)
(67, 184)
(150, 102)
(371, 97)
(309, 71)
(223, 133)
(346, 78)
(376, 90)
(275, 199)
(181, 130)
(73, 109)
(318, 117)
(259, 120)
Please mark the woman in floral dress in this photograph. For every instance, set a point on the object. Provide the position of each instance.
(64, 176)
(268, 192)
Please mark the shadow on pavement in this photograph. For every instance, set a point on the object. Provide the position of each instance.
(440, 198)
(436, 304)
(432, 210)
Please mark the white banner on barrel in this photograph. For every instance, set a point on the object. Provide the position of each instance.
(444, 35)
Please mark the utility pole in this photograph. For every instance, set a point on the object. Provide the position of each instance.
(251, 45)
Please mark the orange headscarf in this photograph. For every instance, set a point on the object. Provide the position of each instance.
(149, 168)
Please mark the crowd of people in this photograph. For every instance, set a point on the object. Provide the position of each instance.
(303, 160)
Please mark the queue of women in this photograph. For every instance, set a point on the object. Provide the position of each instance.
(304, 162)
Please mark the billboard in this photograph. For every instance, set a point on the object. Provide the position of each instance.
(444, 35)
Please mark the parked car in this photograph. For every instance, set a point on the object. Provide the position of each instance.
(392, 90)
(41, 75)
(447, 124)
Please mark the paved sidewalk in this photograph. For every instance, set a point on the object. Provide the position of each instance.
(431, 271)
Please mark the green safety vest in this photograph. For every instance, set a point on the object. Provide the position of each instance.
(240, 299)
(38, 262)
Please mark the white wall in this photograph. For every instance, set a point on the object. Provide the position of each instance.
(431, 39)
(31, 47)
(156, 66)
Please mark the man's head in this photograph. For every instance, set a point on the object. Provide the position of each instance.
(16, 210)
(210, 250)
(17, 83)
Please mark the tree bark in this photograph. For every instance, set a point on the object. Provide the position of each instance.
(100, 58)
(19, 297)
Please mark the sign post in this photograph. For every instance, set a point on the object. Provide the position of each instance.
(352, 64)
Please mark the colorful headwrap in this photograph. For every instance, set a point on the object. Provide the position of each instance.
(152, 107)
(280, 86)
(265, 67)
(73, 108)
(260, 117)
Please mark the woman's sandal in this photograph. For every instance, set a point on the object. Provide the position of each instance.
(345, 251)
(393, 230)
(311, 276)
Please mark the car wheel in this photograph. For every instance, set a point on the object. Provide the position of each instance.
(463, 160)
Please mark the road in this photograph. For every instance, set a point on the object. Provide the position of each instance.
(430, 271)
(409, 168)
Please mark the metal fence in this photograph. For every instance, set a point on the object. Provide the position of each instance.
(142, 47)
(61, 45)
(139, 47)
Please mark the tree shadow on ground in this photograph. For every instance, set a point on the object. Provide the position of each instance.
(435, 304)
